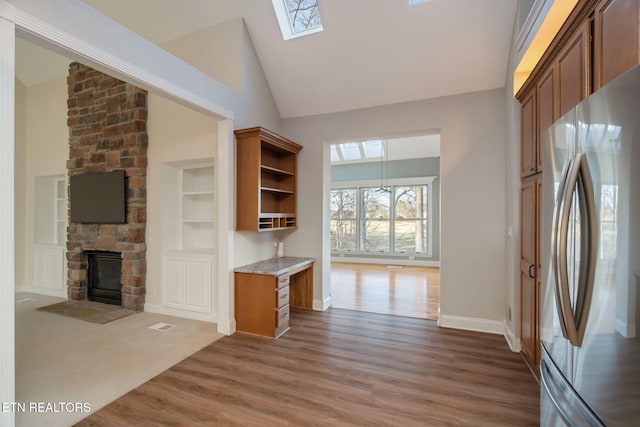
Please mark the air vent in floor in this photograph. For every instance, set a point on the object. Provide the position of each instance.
(162, 326)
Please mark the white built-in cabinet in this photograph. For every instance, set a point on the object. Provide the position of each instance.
(50, 234)
(188, 239)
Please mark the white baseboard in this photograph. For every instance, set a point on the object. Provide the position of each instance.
(471, 324)
(322, 305)
(158, 309)
(512, 339)
(60, 293)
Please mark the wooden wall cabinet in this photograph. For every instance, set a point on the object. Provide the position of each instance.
(266, 180)
(616, 45)
(573, 68)
(529, 146)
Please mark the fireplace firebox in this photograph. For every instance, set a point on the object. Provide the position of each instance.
(104, 271)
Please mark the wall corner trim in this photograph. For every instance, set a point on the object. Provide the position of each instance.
(322, 305)
(512, 339)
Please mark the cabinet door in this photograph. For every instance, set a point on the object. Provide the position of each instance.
(546, 111)
(528, 293)
(173, 282)
(49, 268)
(573, 69)
(615, 45)
(528, 136)
(198, 284)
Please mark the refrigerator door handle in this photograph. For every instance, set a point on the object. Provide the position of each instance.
(577, 178)
(588, 250)
(559, 245)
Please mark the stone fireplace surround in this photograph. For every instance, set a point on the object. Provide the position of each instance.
(107, 120)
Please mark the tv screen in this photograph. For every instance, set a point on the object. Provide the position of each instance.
(98, 198)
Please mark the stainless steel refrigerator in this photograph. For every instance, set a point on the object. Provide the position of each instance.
(590, 237)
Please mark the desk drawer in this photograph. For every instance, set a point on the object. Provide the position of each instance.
(282, 316)
(282, 281)
(282, 297)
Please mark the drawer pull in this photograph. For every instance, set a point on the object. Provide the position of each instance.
(284, 315)
(284, 296)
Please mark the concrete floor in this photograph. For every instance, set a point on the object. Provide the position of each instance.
(65, 360)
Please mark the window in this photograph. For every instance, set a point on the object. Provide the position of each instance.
(410, 225)
(384, 219)
(375, 219)
(343, 219)
(297, 17)
(362, 151)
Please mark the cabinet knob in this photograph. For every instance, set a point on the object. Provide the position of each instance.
(283, 296)
(284, 315)
(532, 169)
(531, 272)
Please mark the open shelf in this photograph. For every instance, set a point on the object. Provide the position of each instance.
(266, 186)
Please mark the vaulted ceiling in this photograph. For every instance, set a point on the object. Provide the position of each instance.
(371, 52)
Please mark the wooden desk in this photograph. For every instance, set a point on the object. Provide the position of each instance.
(264, 292)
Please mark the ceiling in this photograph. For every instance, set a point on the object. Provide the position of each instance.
(371, 52)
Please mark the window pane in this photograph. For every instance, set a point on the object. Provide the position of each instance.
(351, 151)
(303, 14)
(410, 202)
(410, 236)
(343, 235)
(343, 203)
(334, 153)
(375, 202)
(373, 149)
(375, 236)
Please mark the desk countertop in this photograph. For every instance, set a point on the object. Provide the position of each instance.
(275, 266)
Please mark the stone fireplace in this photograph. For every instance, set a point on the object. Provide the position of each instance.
(107, 120)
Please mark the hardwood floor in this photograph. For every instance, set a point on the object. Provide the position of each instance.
(406, 291)
(339, 367)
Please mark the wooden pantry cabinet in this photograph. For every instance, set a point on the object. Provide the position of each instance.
(266, 180)
(599, 41)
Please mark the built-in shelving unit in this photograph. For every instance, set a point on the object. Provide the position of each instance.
(188, 239)
(197, 208)
(49, 235)
(266, 183)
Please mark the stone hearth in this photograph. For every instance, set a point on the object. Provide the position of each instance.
(107, 121)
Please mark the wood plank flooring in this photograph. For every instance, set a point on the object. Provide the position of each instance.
(339, 367)
(407, 291)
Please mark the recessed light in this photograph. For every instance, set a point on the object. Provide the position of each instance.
(414, 2)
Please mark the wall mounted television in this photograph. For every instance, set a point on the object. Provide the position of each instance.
(98, 198)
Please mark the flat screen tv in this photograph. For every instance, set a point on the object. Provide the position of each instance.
(98, 198)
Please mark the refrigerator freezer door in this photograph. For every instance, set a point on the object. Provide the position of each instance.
(559, 404)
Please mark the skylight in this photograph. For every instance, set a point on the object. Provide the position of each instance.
(363, 151)
(297, 17)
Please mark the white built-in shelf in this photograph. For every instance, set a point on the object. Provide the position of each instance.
(50, 213)
(198, 207)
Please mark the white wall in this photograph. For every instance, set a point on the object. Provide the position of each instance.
(20, 182)
(225, 52)
(176, 133)
(47, 151)
(473, 130)
(216, 51)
